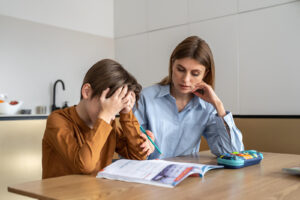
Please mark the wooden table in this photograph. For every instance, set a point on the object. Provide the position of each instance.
(263, 181)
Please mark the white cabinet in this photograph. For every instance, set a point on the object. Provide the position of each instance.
(206, 9)
(166, 13)
(269, 47)
(132, 53)
(222, 36)
(255, 44)
(246, 5)
(161, 45)
(130, 17)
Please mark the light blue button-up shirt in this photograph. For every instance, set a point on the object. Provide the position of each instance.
(179, 133)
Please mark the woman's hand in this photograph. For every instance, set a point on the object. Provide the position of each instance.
(147, 146)
(130, 96)
(205, 92)
(111, 106)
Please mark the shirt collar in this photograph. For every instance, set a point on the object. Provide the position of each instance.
(199, 102)
(165, 90)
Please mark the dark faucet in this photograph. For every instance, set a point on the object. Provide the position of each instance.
(54, 93)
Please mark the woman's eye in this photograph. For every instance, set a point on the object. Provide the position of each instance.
(195, 74)
(180, 69)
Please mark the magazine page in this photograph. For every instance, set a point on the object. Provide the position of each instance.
(154, 172)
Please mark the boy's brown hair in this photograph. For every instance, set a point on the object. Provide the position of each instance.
(108, 73)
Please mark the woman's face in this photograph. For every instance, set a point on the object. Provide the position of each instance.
(186, 73)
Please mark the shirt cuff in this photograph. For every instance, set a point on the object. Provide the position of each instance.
(228, 118)
(127, 116)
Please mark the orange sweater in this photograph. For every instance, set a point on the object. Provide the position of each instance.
(70, 147)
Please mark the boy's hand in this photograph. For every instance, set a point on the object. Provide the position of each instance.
(130, 96)
(109, 107)
(147, 146)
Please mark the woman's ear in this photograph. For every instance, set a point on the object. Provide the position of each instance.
(86, 91)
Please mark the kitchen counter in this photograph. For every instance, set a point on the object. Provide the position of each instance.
(23, 117)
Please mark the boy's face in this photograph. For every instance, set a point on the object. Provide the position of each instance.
(93, 108)
(90, 106)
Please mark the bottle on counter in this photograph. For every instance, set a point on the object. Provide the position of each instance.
(65, 104)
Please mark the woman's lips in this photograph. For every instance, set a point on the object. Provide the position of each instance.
(185, 87)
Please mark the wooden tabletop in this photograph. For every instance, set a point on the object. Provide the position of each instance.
(263, 181)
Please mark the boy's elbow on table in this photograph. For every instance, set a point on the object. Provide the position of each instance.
(85, 166)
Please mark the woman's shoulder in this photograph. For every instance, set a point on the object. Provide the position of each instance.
(152, 91)
(205, 106)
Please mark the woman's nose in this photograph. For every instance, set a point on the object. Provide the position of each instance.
(186, 78)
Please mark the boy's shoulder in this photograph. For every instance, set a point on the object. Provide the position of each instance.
(61, 116)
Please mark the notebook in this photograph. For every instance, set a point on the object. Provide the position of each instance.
(153, 172)
(293, 170)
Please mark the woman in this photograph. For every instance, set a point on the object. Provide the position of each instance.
(82, 139)
(183, 106)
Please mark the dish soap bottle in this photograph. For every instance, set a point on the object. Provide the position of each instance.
(65, 105)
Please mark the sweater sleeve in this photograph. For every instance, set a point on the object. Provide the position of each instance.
(129, 139)
(79, 153)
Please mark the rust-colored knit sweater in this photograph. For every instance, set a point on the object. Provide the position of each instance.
(71, 147)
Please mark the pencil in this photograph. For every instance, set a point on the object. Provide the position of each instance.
(143, 130)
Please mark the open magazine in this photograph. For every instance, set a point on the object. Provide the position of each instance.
(153, 172)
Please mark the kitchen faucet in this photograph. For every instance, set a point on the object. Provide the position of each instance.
(54, 94)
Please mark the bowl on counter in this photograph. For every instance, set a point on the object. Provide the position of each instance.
(10, 108)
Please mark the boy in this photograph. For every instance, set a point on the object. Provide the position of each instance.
(83, 138)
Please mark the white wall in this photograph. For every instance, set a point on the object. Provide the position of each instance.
(269, 67)
(146, 32)
(33, 56)
(255, 45)
(89, 16)
(42, 41)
